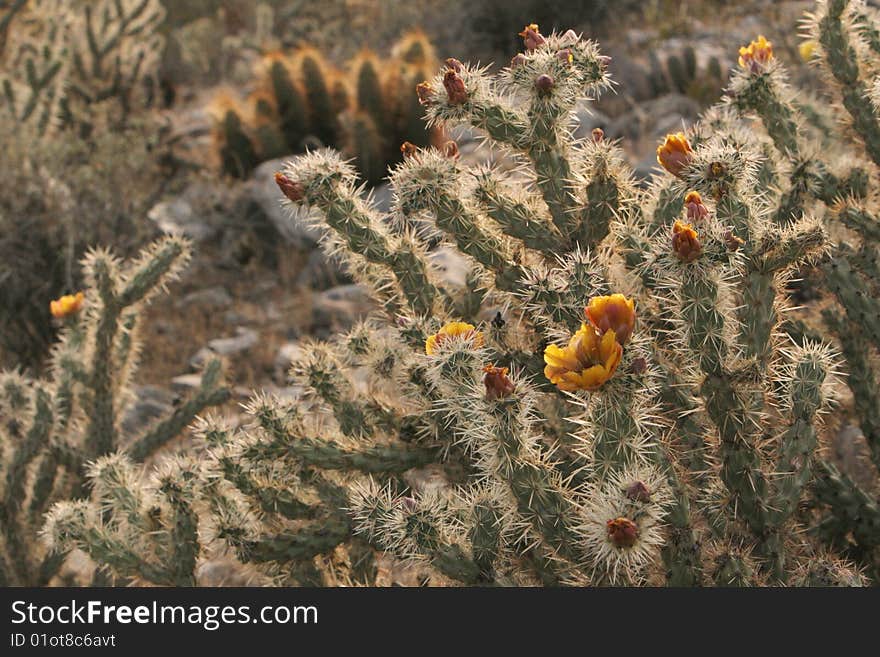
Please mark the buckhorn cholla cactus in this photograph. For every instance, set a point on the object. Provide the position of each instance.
(51, 428)
(609, 390)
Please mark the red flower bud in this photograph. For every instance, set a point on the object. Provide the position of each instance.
(545, 83)
(638, 492)
(455, 90)
(290, 188)
(498, 385)
(454, 65)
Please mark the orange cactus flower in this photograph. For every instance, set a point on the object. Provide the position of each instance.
(623, 532)
(67, 305)
(586, 363)
(675, 153)
(757, 55)
(498, 385)
(685, 242)
(461, 330)
(613, 313)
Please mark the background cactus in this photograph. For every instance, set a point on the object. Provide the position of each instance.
(83, 65)
(618, 394)
(367, 110)
(52, 427)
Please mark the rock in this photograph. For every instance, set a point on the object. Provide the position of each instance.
(201, 358)
(586, 118)
(340, 307)
(244, 339)
(427, 480)
(322, 271)
(292, 226)
(186, 383)
(176, 217)
(851, 448)
(287, 354)
(450, 266)
(150, 404)
(382, 197)
(209, 298)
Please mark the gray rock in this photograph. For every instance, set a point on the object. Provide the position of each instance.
(287, 354)
(176, 217)
(293, 226)
(244, 339)
(212, 297)
(322, 272)
(186, 383)
(382, 197)
(340, 307)
(450, 265)
(586, 118)
(150, 404)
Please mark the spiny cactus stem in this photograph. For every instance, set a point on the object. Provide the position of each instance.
(209, 393)
(270, 498)
(843, 64)
(101, 431)
(553, 172)
(304, 544)
(461, 225)
(519, 221)
(852, 510)
(861, 221)
(349, 220)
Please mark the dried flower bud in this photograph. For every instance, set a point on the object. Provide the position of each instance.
(408, 149)
(425, 93)
(450, 150)
(454, 65)
(598, 135)
(408, 504)
(498, 385)
(532, 38)
(732, 242)
(675, 153)
(290, 188)
(565, 56)
(455, 91)
(518, 60)
(638, 366)
(685, 242)
(623, 532)
(604, 61)
(544, 83)
(638, 492)
(693, 205)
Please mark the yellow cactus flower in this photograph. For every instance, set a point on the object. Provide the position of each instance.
(807, 49)
(461, 330)
(613, 313)
(757, 55)
(685, 242)
(586, 363)
(67, 305)
(674, 154)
